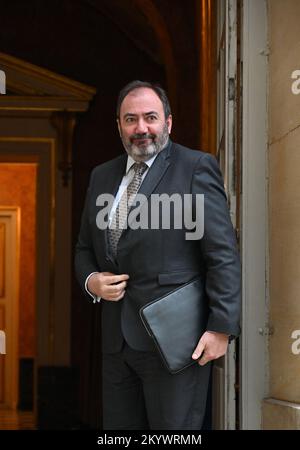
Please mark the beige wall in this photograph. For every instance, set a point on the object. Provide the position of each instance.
(284, 214)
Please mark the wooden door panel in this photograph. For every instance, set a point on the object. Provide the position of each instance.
(9, 280)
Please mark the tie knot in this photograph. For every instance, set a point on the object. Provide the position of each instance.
(139, 168)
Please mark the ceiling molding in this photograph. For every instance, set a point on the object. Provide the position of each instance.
(38, 87)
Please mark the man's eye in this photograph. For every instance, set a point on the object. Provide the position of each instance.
(129, 120)
(152, 118)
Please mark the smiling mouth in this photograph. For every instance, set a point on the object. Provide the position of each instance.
(141, 140)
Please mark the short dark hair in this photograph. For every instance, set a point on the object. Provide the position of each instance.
(136, 84)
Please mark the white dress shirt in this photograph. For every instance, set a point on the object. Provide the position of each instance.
(127, 178)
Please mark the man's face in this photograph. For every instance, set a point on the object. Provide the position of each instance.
(143, 128)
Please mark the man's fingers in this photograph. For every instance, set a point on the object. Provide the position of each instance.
(116, 288)
(113, 286)
(116, 298)
(213, 344)
(198, 350)
(120, 296)
(203, 360)
(111, 279)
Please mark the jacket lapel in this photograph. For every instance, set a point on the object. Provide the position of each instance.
(112, 188)
(153, 177)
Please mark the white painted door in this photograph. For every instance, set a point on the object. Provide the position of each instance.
(254, 217)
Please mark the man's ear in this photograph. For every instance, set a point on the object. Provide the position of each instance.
(169, 123)
(119, 127)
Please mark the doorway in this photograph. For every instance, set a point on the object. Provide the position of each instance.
(9, 303)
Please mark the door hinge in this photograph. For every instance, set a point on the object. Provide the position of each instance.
(268, 330)
(231, 89)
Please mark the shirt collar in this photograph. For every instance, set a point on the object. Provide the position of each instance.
(131, 161)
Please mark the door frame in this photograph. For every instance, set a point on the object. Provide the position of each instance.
(40, 151)
(241, 407)
(254, 215)
(11, 370)
(225, 372)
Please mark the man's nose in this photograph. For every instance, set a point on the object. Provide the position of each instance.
(141, 126)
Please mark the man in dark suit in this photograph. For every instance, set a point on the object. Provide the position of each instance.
(127, 268)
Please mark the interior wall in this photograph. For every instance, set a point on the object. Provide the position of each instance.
(18, 188)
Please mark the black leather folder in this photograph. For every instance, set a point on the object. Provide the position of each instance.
(176, 321)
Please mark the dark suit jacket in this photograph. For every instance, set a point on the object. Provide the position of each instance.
(158, 261)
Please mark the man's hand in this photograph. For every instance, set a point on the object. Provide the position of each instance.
(108, 286)
(213, 345)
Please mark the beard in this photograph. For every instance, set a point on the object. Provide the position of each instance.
(143, 152)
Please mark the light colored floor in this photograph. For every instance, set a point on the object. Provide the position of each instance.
(16, 420)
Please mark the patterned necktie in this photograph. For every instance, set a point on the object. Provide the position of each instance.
(121, 213)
